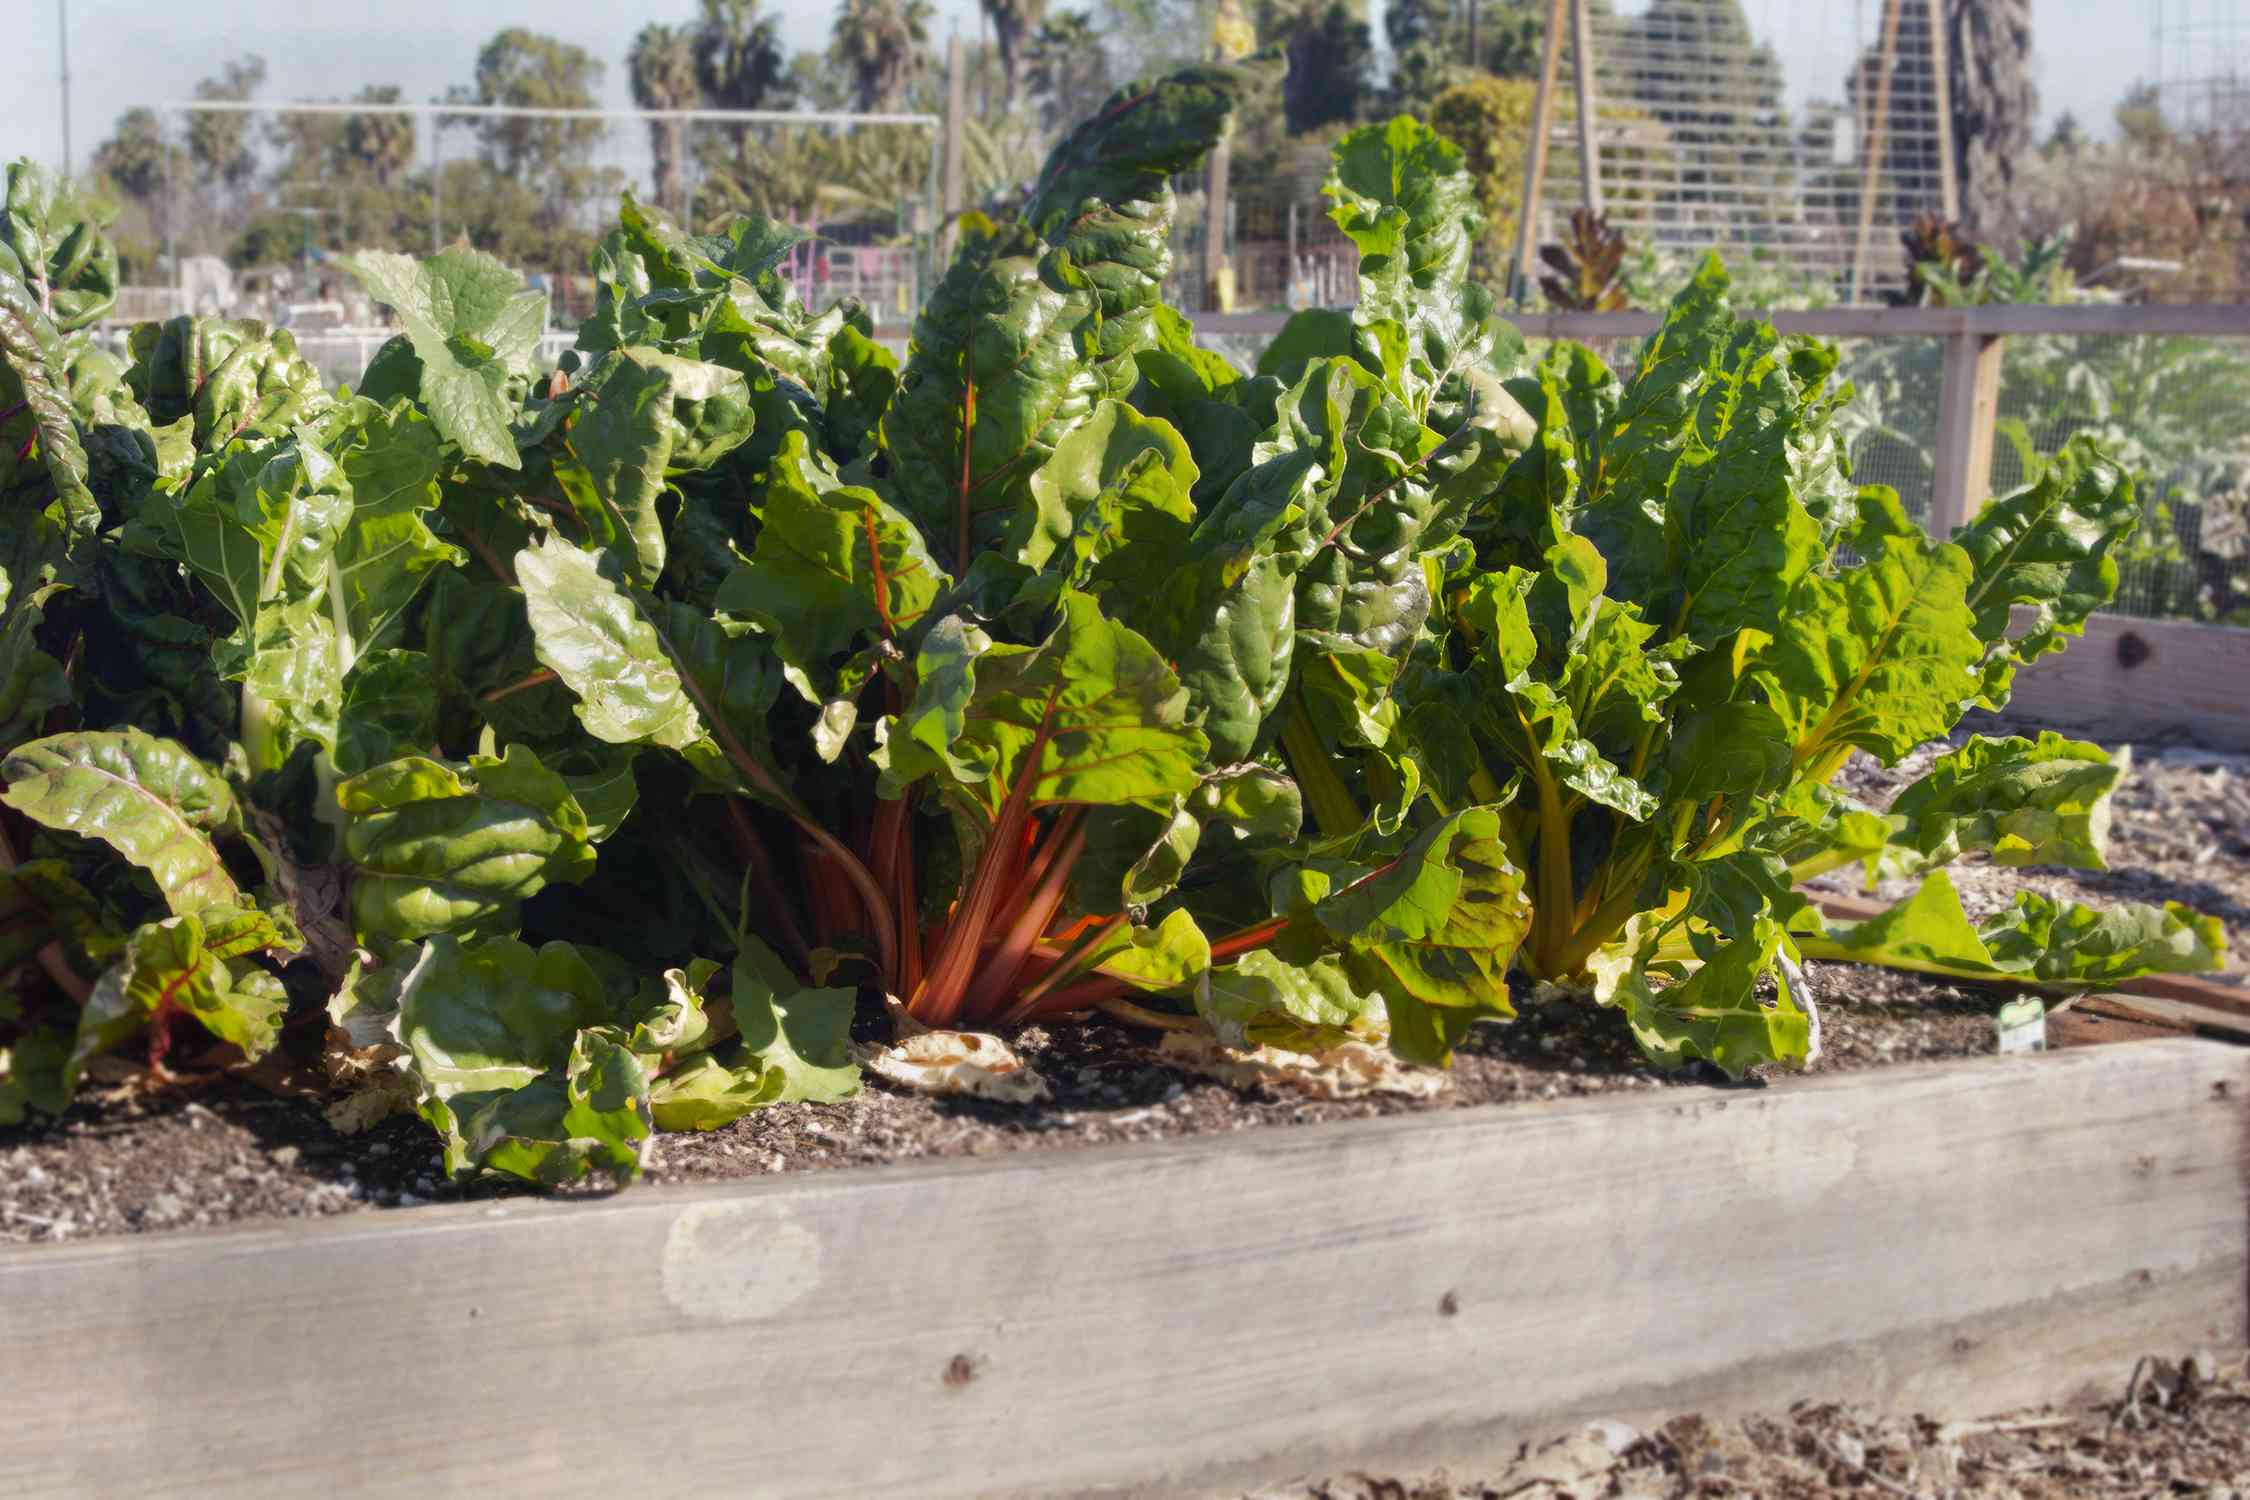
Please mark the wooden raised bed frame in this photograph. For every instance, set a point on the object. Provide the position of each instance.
(1175, 1318)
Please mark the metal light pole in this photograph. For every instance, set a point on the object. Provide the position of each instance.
(62, 18)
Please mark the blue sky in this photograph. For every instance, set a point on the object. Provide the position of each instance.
(127, 52)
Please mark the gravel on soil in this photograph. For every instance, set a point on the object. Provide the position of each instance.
(2178, 1428)
(132, 1158)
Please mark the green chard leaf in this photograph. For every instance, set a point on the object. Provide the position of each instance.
(520, 1060)
(149, 799)
(1262, 1001)
(439, 849)
(802, 1035)
(594, 637)
(225, 379)
(1401, 192)
(190, 965)
(1433, 930)
(835, 565)
(1882, 656)
(2046, 547)
(53, 240)
(473, 327)
(31, 360)
(2037, 940)
(1092, 715)
(1712, 1010)
(2022, 802)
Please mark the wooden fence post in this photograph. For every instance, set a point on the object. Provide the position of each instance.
(1523, 273)
(1218, 287)
(1968, 405)
(1876, 143)
(956, 166)
(1941, 100)
(1589, 108)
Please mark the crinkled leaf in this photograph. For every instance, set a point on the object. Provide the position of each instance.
(1653, 429)
(225, 379)
(620, 439)
(52, 239)
(2036, 940)
(437, 848)
(705, 1093)
(259, 528)
(388, 553)
(169, 966)
(388, 710)
(150, 799)
(1227, 616)
(1881, 656)
(1165, 956)
(1433, 931)
(593, 1116)
(1262, 1001)
(1092, 715)
(1118, 485)
(2023, 802)
(1715, 1011)
(31, 352)
(834, 565)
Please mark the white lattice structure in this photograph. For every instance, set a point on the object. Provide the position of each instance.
(1701, 139)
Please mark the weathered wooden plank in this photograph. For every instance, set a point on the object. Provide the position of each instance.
(1968, 403)
(2137, 680)
(1523, 267)
(1168, 1319)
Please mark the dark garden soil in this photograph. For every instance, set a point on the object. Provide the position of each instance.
(131, 1157)
(2176, 1428)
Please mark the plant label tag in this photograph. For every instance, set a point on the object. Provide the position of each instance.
(2022, 1025)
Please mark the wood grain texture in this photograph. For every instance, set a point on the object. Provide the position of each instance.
(1167, 1319)
(2130, 680)
(1968, 404)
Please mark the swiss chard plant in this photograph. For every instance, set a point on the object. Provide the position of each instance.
(572, 754)
(577, 748)
(1677, 620)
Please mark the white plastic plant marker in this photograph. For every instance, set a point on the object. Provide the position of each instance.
(974, 1063)
(1347, 1070)
(2022, 1025)
(1801, 990)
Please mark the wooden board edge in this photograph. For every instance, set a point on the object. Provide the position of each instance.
(1897, 1084)
(485, 1388)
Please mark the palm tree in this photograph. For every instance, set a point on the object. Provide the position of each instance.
(662, 66)
(879, 43)
(738, 58)
(1065, 67)
(1012, 22)
(1995, 102)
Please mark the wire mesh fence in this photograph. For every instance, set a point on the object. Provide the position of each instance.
(2174, 410)
(1701, 142)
